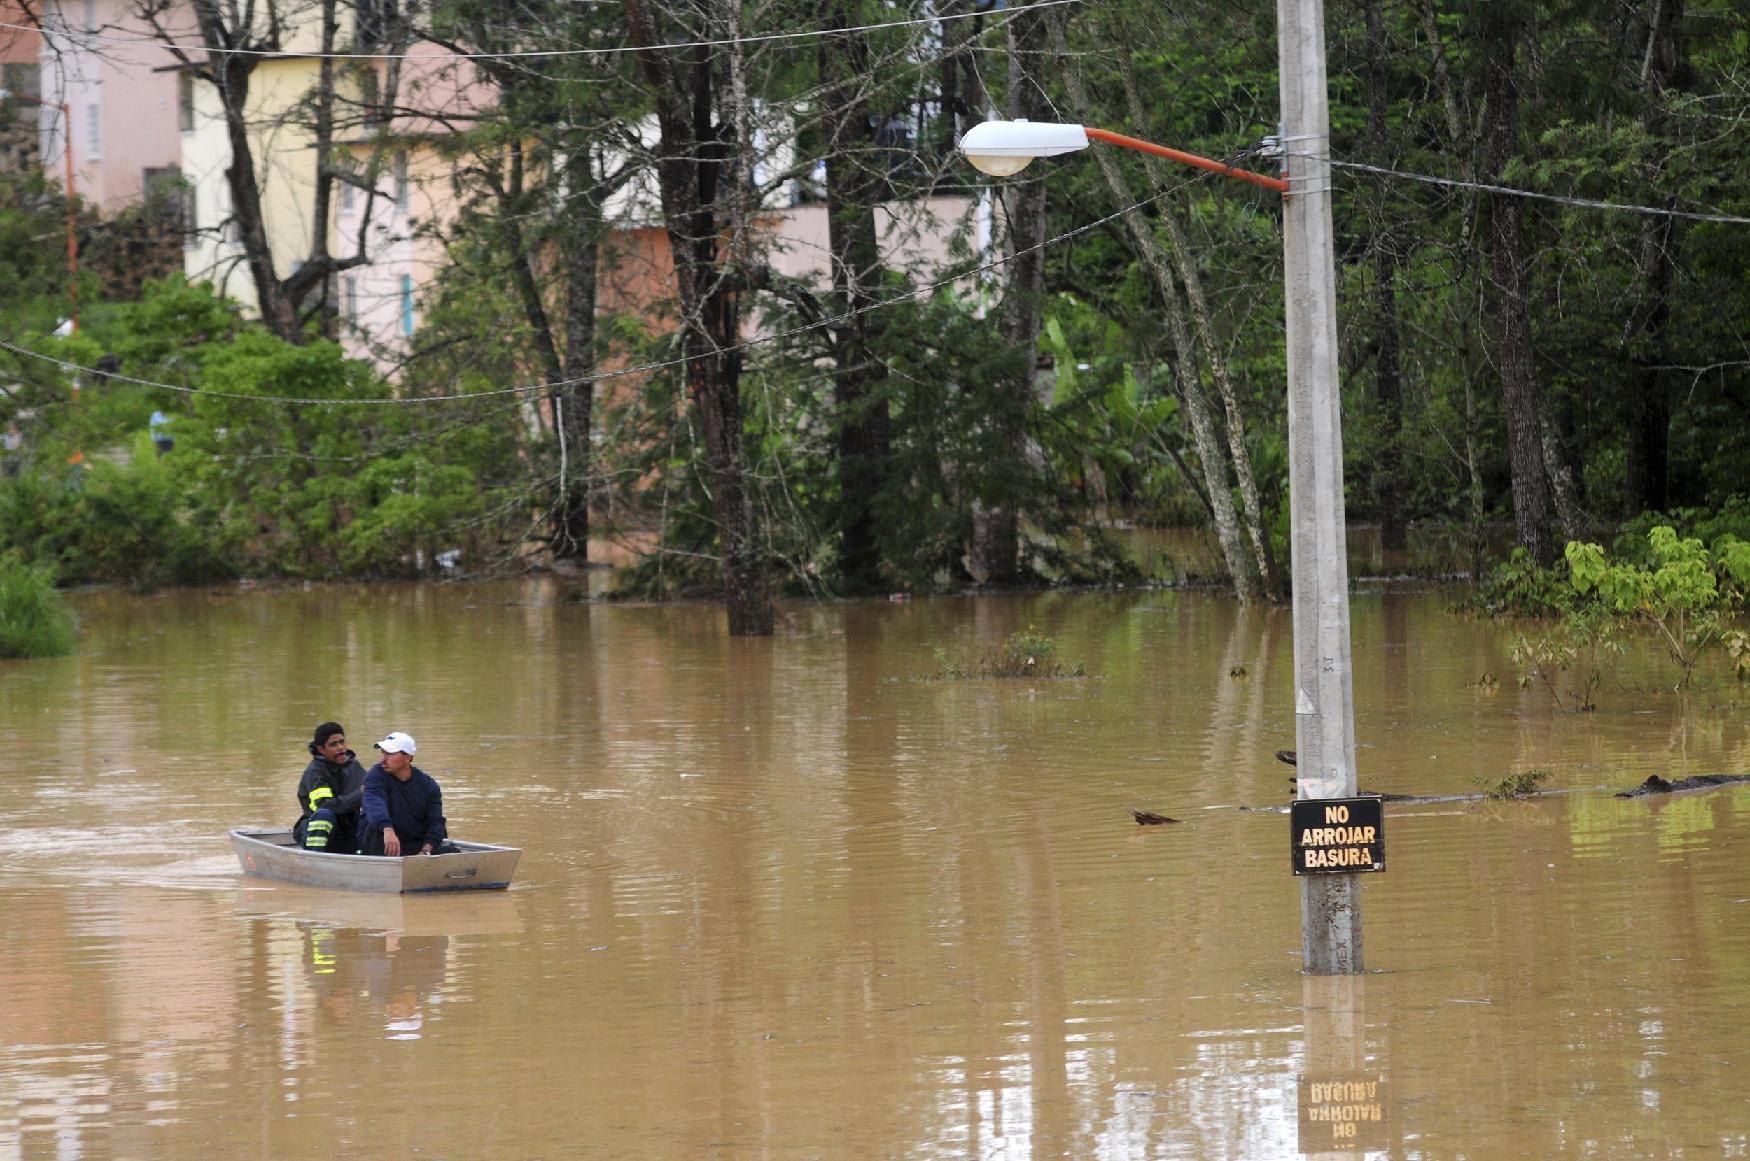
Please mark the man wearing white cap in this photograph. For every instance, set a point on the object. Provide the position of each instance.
(403, 807)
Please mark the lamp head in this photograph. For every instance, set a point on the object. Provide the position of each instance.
(1004, 148)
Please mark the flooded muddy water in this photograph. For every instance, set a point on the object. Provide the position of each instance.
(795, 898)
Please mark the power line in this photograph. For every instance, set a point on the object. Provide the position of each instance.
(1509, 191)
(556, 385)
(516, 54)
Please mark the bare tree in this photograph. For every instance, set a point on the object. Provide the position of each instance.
(237, 35)
(706, 205)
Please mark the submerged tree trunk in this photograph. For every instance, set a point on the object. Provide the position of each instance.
(1664, 68)
(854, 184)
(696, 177)
(1388, 482)
(994, 554)
(580, 249)
(1203, 321)
(1507, 306)
(1198, 407)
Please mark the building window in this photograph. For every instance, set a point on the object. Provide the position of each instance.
(345, 167)
(349, 290)
(93, 132)
(401, 181)
(190, 219)
(185, 102)
(407, 304)
(166, 193)
(371, 23)
(22, 79)
(375, 113)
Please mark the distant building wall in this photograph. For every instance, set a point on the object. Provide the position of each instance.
(20, 75)
(120, 94)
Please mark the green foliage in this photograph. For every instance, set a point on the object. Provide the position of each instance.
(34, 620)
(340, 483)
(1517, 587)
(1027, 653)
(1582, 645)
(1673, 585)
(33, 255)
(1522, 784)
(120, 521)
(1675, 592)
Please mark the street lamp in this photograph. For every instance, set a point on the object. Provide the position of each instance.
(1005, 148)
(1323, 685)
(72, 205)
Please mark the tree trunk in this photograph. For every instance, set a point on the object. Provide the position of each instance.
(691, 172)
(580, 253)
(1664, 67)
(1507, 307)
(1189, 385)
(961, 89)
(1388, 481)
(854, 183)
(995, 550)
(233, 73)
(236, 40)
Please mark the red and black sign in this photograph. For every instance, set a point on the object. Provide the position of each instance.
(1337, 836)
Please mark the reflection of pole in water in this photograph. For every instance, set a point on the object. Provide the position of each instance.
(1342, 1105)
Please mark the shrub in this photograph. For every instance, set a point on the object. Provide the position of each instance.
(1023, 654)
(34, 620)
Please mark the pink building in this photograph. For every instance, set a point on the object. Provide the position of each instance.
(100, 66)
(381, 303)
(19, 118)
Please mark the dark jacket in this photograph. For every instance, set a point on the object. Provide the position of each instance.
(346, 786)
(415, 808)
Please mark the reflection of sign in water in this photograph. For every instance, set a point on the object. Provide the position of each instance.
(1337, 836)
(1342, 1114)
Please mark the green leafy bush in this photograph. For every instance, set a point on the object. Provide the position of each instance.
(1024, 654)
(1523, 784)
(1517, 587)
(1676, 591)
(34, 620)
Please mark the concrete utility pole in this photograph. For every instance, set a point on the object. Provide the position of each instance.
(1330, 905)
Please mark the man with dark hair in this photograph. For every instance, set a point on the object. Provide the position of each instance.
(403, 807)
(330, 794)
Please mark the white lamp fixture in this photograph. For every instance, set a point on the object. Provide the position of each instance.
(1002, 148)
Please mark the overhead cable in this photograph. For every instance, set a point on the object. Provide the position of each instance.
(642, 368)
(1562, 199)
(78, 35)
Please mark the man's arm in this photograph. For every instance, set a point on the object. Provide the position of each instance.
(376, 810)
(350, 801)
(306, 784)
(435, 830)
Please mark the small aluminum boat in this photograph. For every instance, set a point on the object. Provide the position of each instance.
(272, 854)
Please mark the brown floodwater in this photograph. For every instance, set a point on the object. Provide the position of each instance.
(791, 898)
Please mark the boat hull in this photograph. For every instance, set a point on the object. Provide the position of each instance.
(272, 854)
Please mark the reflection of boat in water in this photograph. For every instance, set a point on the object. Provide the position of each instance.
(273, 854)
(410, 915)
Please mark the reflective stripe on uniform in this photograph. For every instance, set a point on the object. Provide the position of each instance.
(318, 794)
(317, 833)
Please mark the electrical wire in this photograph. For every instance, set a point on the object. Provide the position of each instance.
(642, 368)
(515, 54)
(1509, 191)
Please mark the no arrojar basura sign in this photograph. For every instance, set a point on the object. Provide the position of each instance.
(1337, 836)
